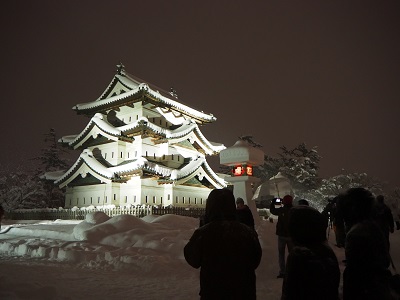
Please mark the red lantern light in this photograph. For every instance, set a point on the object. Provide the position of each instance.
(249, 170)
(238, 171)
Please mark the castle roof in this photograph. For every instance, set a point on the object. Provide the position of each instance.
(125, 89)
(97, 126)
(88, 164)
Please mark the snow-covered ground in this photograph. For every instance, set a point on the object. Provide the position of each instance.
(119, 258)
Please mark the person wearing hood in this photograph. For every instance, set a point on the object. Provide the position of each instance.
(227, 251)
(312, 269)
(282, 229)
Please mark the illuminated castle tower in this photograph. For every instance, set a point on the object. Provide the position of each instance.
(141, 146)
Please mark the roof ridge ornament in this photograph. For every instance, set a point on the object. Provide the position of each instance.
(173, 92)
(120, 69)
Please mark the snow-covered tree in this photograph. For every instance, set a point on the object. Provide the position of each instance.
(51, 158)
(333, 186)
(392, 200)
(20, 189)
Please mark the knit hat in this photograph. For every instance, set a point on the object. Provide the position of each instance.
(287, 200)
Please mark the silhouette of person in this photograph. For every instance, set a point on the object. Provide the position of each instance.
(282, 229)
(366, 275)
(244, 213)
(312, 269)
(384, 218)
(335, 221)
(303, 202)
(227, 251)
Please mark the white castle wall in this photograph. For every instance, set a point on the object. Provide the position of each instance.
(136, 192)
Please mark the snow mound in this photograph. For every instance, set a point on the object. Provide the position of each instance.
(96, 217)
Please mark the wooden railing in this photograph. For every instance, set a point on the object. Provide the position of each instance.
(79, 214)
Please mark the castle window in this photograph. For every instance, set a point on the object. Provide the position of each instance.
(130, 119)
(98, 199)
(154, 199)
(160, 200)
(112, 154)
(128, 154)
(178, 157)
(91, 200)
(84, 200)
(70, 202)
(115, 197)
(195, 200)
(106, 199)
(105, 155)
(121, 154)
(183, 200)
(176, 199)
(146, 199)
(126, 199)
(169, 196)
(189, 200)
(134, 198)
(135, 153)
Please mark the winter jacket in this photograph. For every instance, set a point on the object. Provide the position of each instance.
(228, 252)
(245, 216)
(282, 226)
(312, 269)
(312, 273)
(367, 260)
(384, 218)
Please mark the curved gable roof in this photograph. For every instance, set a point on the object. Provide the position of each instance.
(138, 90)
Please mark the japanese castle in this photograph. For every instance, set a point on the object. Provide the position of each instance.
(141, 146)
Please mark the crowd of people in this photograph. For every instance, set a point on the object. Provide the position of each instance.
(226, 248)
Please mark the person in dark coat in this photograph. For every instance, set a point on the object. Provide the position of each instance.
(384, 218)
(227, 251)
(244, 213)
(282, 229)
(312, 269)
(335, 221)
(366, 275)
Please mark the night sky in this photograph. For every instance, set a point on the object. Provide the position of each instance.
(326, 73)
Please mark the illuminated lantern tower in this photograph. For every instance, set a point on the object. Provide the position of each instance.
(242, 157)
(140, 146)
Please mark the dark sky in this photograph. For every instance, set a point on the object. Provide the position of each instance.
(326, 73)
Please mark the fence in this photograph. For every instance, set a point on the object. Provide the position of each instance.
(79, 214)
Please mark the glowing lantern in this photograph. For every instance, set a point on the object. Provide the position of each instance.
(242, 170)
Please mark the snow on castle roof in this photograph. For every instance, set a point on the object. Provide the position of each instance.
(188, 130)
(135, 87)
(108, 173)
